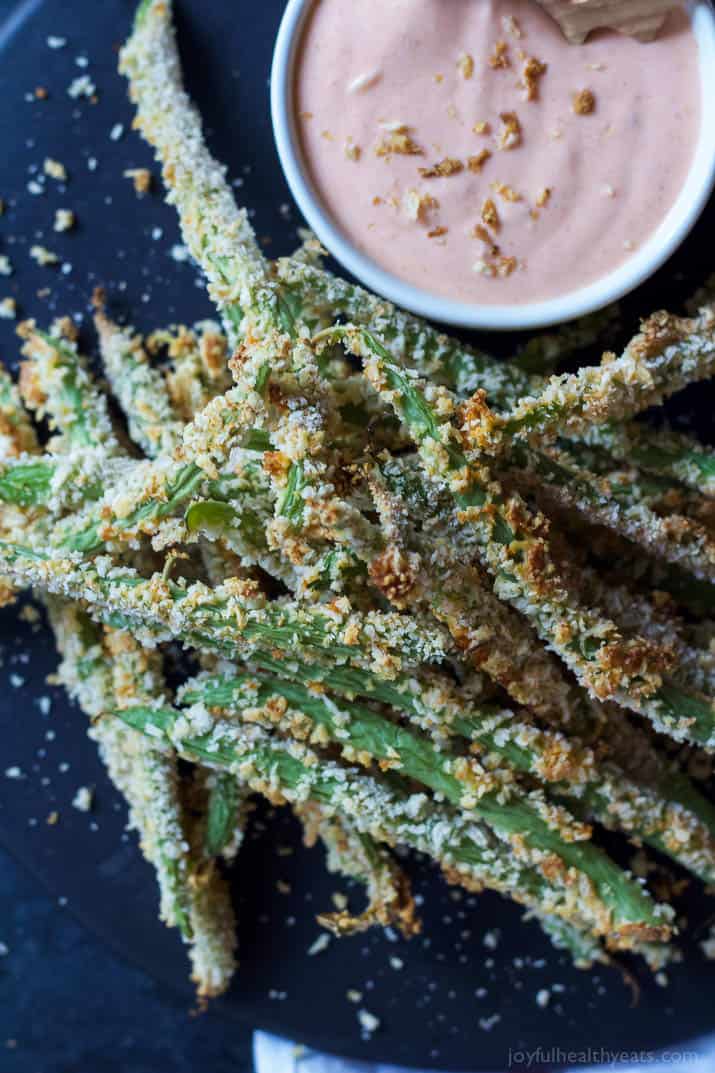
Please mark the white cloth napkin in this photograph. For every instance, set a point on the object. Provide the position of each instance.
(274, 1055)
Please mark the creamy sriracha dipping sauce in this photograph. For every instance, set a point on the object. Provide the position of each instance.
(465, 147)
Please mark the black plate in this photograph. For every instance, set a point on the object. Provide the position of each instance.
(456, 1003)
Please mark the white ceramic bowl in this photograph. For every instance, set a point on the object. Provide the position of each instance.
(671, 232)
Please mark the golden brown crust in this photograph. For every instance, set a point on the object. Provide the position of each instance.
(395, 573)
(583, 102)
(442, 169)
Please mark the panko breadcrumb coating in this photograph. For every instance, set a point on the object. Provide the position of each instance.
(349, 525)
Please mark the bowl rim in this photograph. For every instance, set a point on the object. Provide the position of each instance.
(668, 236)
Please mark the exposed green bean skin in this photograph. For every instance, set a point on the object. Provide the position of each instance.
(293, 771)
(666, 812)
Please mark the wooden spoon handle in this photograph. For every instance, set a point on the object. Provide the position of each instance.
(638, 18)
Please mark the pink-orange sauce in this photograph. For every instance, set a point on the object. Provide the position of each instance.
(596, 146)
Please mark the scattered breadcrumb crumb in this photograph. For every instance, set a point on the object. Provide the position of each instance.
(55, 169)
(352, 152)
(82, 86)
(13, 772)
(509, 135)
(584, 102)
(543, 997)
(8, 308)
(476, 163)
(141, 177)
(416, 204)
(490, 216)
(353, 996)
(510, 25)
(56, 42)
(482, 127)
(543, 197)
(82, 800)
(499, 57)
(43, 256)
(444, 168)
(364, 81)
(479, 231)
(64, 220)
(368, 1022)
(506, 192)
(41, 93)
(437, 232)
(320, 944)
(397, 140)
(52, 819)
(531, 73)
(607, 190)
(465, 65)
(484, 267)
(116, 132)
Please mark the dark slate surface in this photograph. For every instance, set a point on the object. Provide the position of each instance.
(68, 1005)
(72, 1005)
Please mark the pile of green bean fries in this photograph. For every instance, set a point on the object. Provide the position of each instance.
(437, 600)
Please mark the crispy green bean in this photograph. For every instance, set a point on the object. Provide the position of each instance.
(103, 670)
(465, 847)
(666, 813)
(512, 545)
